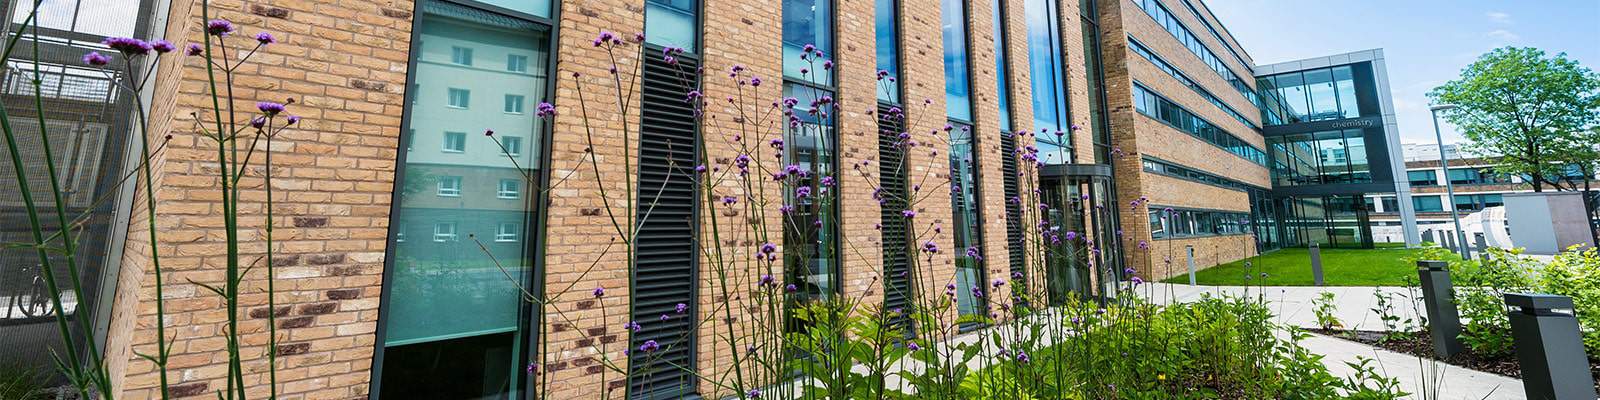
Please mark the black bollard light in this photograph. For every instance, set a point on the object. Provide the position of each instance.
(1438, 298)
(1549, 347)
(1316, 264)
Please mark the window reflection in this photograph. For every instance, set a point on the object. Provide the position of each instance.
(957, 79)
(1049, 87)
(886, 25)
(672, 23)
(964, 201)
(452, 317)
(1320, 158)
(1312, 95)
(807, 22)
(811, 228)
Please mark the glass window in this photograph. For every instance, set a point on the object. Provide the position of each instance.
(1422, 178)
(1391, 204)
(886, 26)
(1345, 86)
(511, 145)
(807, 22)
(672, 23)
(1158, 226)
(509, 189)
(1492, 200)
(451, 328)
(1356, 150)
(964, 202)
(1427, 203)
(507, 232)
(1003, 95)
(1046, 71)
(1292, 89)
(957, 78)
(516, 63)
(539, 8)
(1324, 103)
(449, 186)
(1465, 176)
(513, 104)
(454, 142)
(461, 55)
(459, 98)
(444, 232)
(811, 226)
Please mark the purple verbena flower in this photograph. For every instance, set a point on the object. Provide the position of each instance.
(219, 27)
(599, 292)
(265, 38)
(649, 346)
(194, 49)
(632, 326)
(681, 308)
(162, 46)
(269, 108)
(96, 59)
(127, 46)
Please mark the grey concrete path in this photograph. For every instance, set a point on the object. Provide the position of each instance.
(1293, 304)
(1354, 307)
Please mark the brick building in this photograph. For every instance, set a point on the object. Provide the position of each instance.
(400, 221)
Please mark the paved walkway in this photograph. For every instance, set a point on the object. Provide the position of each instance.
(1292, 305)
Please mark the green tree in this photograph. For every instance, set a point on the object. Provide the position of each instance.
(1538, 114)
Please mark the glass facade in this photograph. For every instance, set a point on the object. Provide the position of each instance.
(1476, 175)
(1002, 92)
(1320, 158)
(1152, 105)
(1047, 71)
(968, 222)
(672, 23)
(808, 22)
(886, 26)
(1191, 174)
(1311, 95)
(1427, 203)
(454, 326)
(957, 74)
(1475, 202)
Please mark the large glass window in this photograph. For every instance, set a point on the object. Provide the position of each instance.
(1310, 95)
(957, 74)
(808, 22)
(1320, 158)
(1003, 95)
(452, 323)
(672, 23)
(812, 225)
(1046, 70)
(886, 26)
(1164, 17)
(964, 201)
(1099, 133)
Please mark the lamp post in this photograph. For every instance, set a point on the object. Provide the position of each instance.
(1449, 188)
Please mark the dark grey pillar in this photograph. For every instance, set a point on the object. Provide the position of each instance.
(1438, 297)
(1427, 236)
(1316, 264)
(1191, 264)
(1549, 348)
(1483, 246)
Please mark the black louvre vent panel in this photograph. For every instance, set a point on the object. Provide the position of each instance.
(665, 248)
(1008, 166)
(892, 179)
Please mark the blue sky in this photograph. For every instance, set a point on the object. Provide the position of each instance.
(1426, 42)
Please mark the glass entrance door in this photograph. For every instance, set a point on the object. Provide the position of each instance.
(1082, 243)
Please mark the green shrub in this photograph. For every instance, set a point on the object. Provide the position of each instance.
(1576, 274)
(22, 383)
(1324, 309)
(1480, 298)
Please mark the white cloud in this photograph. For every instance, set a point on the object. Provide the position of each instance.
(1499, 17)
(1503, 35)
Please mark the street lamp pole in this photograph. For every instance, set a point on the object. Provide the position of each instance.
(1449, 188)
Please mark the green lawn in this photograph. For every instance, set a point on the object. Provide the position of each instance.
(1386, 265)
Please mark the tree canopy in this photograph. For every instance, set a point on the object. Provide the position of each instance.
(1539, 114)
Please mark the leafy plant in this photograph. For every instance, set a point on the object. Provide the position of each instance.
(1576, 273)
(1323, 308)
(1367, 384)
(1480, 298)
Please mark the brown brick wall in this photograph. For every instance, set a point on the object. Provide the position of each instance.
(344, 63)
